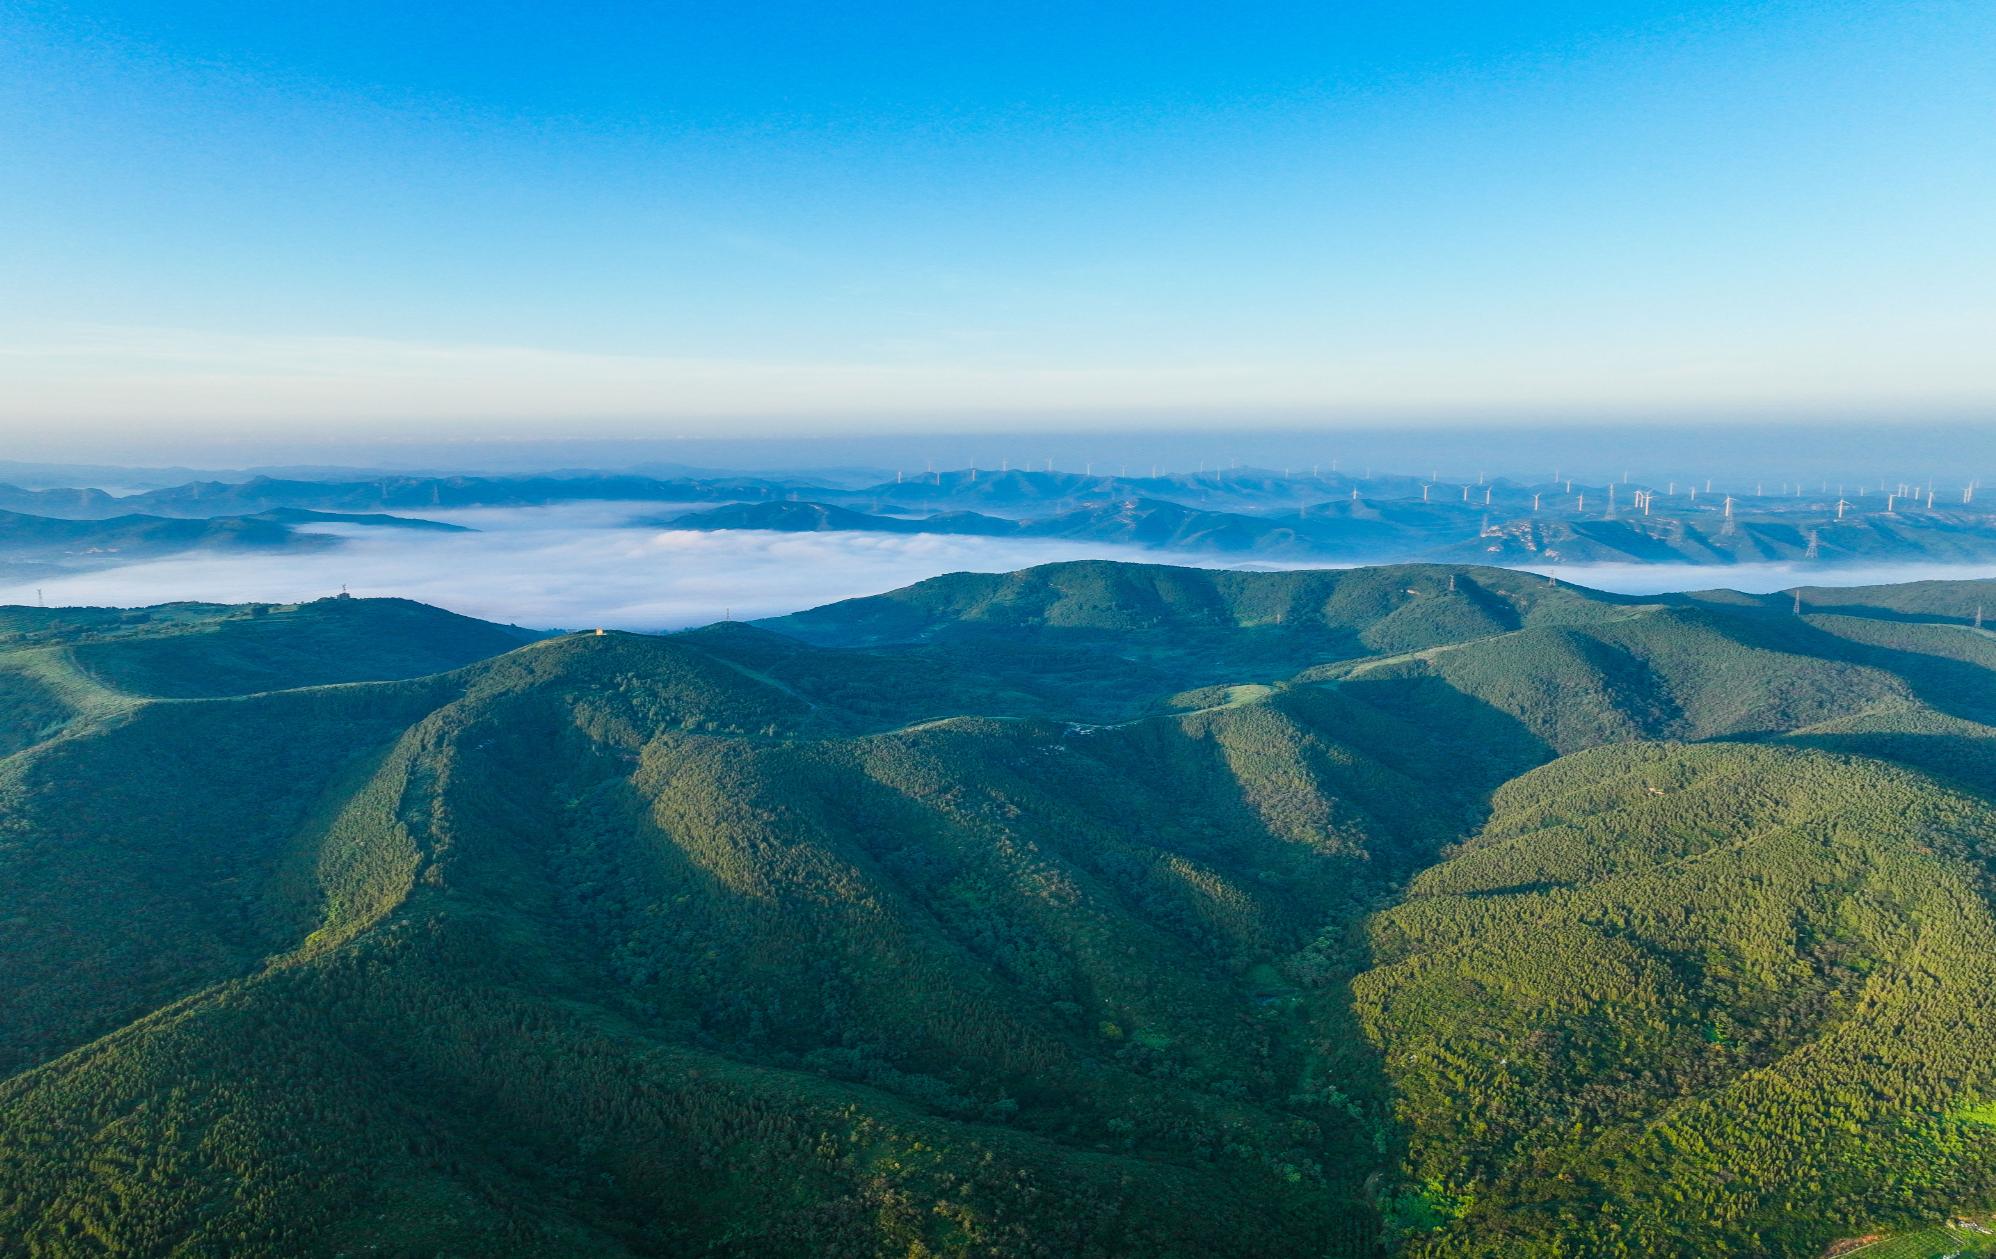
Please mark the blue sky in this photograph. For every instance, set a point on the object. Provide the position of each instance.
(600, 219)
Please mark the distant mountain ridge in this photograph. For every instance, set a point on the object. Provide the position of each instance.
(1239, 514)
(56, 545)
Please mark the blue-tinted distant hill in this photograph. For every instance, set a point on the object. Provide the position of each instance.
(1239, 514)
(41, 543)
(392, 493)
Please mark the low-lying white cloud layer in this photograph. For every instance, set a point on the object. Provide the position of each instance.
(566, 568)
(580, 565)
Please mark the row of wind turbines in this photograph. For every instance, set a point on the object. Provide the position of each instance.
(1644, 497)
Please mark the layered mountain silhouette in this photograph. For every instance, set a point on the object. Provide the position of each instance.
(1241, 514)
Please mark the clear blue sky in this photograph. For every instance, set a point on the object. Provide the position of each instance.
(606, 218)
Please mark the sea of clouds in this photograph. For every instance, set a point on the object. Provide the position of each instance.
(580, 565)
(569, 567)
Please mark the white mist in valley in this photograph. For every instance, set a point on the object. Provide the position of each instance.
(571, 566)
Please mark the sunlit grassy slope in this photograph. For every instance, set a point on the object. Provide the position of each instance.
(1094, 909)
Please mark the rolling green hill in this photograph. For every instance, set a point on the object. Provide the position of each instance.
(1093, 909)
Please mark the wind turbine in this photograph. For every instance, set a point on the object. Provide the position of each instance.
(1842, 506)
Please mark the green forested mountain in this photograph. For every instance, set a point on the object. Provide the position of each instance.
(1093, 909)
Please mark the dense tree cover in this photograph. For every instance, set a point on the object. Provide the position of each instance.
(1714, 1000)
(1094, 909)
